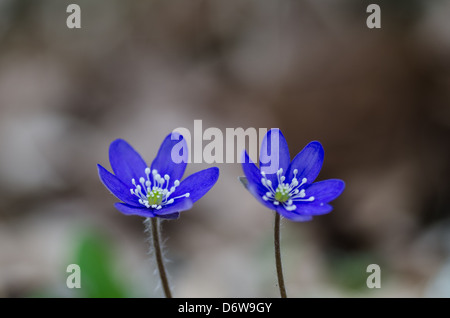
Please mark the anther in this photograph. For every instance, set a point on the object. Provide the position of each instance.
(291, 208)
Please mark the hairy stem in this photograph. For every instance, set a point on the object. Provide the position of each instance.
(278, 256)
(158, 255)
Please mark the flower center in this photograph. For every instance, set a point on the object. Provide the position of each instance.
(285, 194)
(282, 193)
(155, 196)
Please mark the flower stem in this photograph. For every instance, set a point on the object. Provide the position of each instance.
(278, 256)
(159, 257)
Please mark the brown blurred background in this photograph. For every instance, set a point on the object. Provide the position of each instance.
(377, 99)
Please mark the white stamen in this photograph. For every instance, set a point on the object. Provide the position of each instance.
(290, 208)
(159, 192)
(288, 193)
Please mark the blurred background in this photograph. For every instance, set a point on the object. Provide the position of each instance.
(377, 99)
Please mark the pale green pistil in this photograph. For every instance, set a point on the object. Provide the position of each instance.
(282, 193)
(155, 196)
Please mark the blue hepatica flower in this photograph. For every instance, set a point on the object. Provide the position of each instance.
(155, 191)
(287, 186)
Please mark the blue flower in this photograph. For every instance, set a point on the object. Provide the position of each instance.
(155, 191)
(287, 186)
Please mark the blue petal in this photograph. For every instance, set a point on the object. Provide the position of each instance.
(180, 205)
(125, 161)
(291, 215)
(325, 191)
(117, 187)
(251, 171)
(312, 209)
(198, 184)
(172, 216)
(134, 210)
(308, 162)
(274, 154)
(254, 180)
(167, 212)
(172, 157)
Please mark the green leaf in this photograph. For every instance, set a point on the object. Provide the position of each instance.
(98, 279)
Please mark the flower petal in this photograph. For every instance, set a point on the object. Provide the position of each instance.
(312, 209)
(291, 215)
(168, 160)
(274, 154)
(115, 186)
(125, 161)
(254, 185)
(325, 191)
(251, 171)
(133, 210)
(179, 205)
(197, 184)
(172, 216)
(308, 162)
